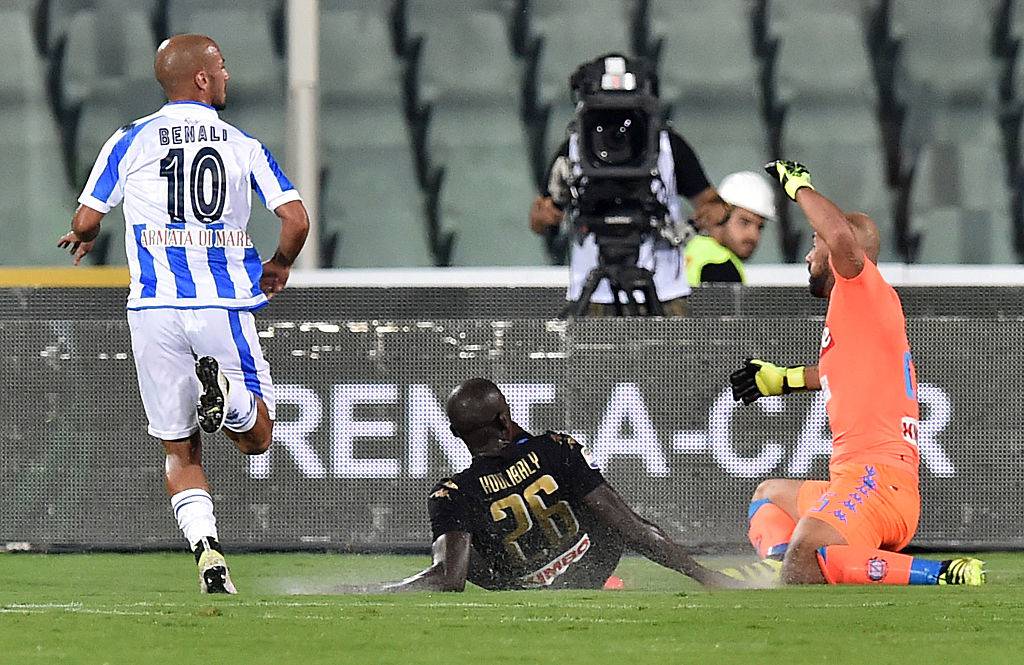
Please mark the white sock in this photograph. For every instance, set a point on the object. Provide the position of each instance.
(193, 508)
(241, 406)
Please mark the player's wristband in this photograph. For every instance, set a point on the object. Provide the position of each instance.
(794, 380)
(792, 186)
(280, 260)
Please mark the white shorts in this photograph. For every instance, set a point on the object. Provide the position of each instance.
(166, 344)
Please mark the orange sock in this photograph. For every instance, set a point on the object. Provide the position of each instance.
(853, 564)
(771, 528)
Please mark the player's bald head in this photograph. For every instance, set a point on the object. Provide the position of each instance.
(866, 233)
(180, 58)
(474, 405)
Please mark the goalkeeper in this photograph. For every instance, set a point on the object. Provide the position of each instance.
(848, 529)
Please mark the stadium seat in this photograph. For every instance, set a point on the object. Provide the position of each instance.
(487, 190)
(942, 234)
(985, 194)
(953, 80)
(726, 138)
(245, 39)
(951, 83)
(961, 198)
(357, 66)
(706, 55)
(946, 45)
(372, 199)
(371, 196)
(102, 45)
(574, 34)
(21, 77)
(1014, 29)
(823, 54)
(466, 53)
(842, 149)
(35, 201)
(472, 80)
(824, 75)
(54, 16)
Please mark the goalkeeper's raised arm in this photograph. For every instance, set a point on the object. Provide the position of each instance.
(850, 238)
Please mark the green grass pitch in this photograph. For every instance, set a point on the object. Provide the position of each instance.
(145, 608)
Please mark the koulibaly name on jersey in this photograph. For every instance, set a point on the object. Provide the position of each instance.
(513, 475)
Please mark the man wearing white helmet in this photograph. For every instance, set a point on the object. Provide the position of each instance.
(719, 255)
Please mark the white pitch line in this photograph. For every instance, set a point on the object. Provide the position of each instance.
(95, 610)
(398, 604)
(67, 609)
(79, 608)
(568, 619)
(306, 617)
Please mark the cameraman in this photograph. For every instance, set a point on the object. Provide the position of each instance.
(679, 174)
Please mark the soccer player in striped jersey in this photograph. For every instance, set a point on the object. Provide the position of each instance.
(850, 528)
(186, 177)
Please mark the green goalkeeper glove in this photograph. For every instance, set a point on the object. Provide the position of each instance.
(758, 378)
(794, 176)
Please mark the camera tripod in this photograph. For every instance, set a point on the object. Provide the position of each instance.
(622, 279)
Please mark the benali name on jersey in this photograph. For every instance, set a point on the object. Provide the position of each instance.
(180, 135)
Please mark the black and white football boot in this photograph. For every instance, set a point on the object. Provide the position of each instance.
(213, 568)
(212, 406)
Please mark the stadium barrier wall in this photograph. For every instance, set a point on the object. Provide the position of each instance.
(361, 434)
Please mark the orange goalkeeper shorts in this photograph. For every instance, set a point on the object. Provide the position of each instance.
(872, 505)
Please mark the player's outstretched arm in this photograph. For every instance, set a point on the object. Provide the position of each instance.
(832, 227)
(85, 226)
(759, 378)
(649, 539)
(294, 228)
(828, 221)
(449, 570)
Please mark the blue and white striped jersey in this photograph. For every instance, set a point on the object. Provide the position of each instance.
(186, 178)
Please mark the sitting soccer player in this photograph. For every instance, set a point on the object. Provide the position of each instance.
(531, 511)
(848, 529)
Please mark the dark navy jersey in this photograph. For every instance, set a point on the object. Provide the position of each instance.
(525, 513)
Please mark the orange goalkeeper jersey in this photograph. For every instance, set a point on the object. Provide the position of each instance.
(867, 374)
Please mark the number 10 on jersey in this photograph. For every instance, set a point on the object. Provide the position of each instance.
(207, 184)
